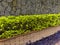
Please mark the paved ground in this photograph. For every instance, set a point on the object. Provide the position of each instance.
(51, 40)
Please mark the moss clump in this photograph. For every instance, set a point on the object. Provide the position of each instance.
(14, 25)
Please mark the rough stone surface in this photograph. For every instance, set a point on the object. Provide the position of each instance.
(7, 13)
(8, 8)
(17, 7)
(9, 0)
(4, 4)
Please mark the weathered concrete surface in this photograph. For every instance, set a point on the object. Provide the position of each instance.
(22, 40)
(50, 40)
(17, 7)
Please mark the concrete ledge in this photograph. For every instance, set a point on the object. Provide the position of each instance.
(33, 36)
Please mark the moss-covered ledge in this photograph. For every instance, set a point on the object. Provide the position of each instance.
(11, 26)
(22, 40)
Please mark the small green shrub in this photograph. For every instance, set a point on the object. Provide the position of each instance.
(14, 25)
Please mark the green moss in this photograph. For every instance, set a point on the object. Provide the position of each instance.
(13, 25)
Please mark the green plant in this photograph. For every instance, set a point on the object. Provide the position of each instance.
(14, 25)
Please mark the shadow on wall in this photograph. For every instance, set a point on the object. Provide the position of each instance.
(51, 40)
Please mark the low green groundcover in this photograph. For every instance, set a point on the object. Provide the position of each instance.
(17, 25)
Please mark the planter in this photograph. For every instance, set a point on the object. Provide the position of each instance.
(33, 36)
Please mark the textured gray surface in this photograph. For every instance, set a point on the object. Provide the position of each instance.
(17, 7)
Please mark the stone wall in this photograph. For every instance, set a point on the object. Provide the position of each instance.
(17, 7)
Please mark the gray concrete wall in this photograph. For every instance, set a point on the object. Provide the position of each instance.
(17, 7)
